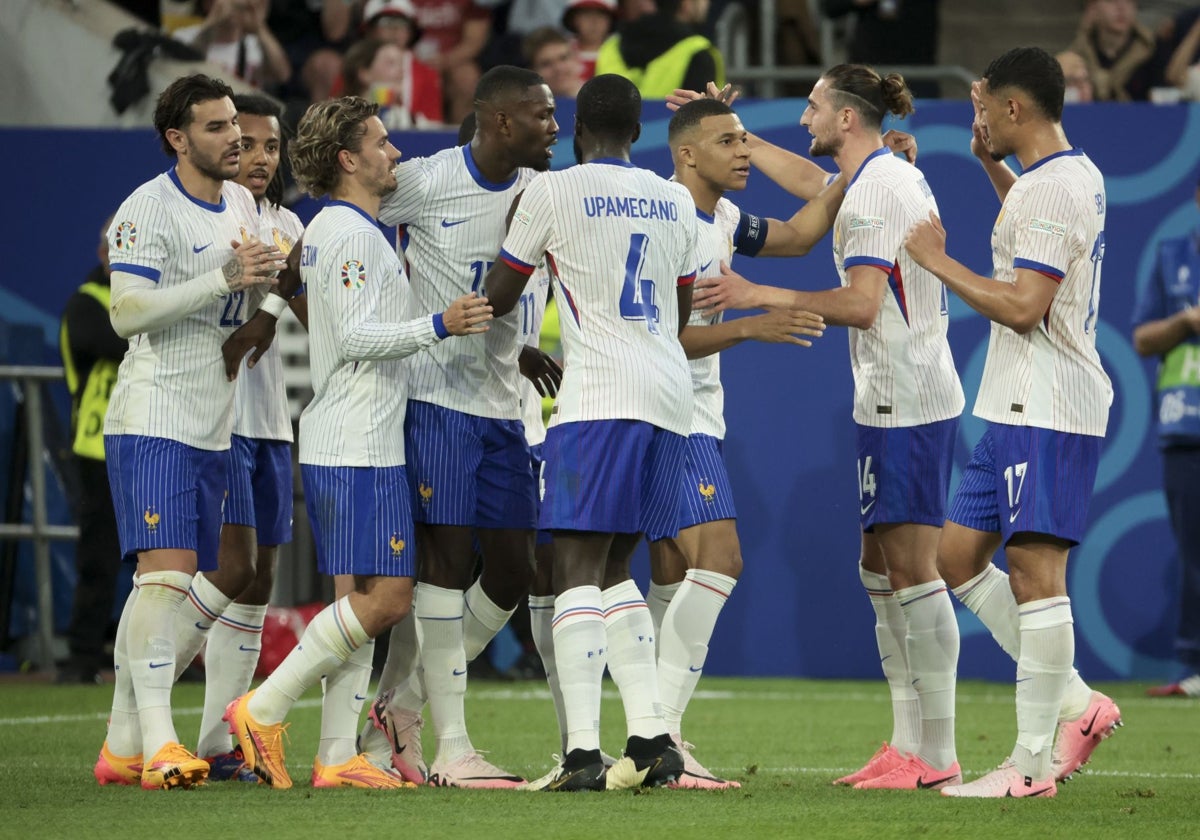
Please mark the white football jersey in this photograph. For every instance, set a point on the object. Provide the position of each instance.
(903, 372)
(531, 310)
(260, 407)
(618, 240)
(172, 382)
(714, 244)
(359, 306)
(454, 224)
(1052, 221)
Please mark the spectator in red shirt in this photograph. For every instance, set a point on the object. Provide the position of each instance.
(454, 33)
(592, 21)
(409, 93)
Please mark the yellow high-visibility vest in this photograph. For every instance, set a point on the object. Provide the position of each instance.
(89, 399)
(663, 74)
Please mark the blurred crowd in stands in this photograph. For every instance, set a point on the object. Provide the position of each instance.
(422, 58)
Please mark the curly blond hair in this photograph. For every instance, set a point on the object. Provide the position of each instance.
(325, 129)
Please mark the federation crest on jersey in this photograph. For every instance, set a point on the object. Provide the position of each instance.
(125, 236)
(354, 274)
(282, 241)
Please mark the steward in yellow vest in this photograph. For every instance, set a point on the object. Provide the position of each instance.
(91, 352)
(663, 51)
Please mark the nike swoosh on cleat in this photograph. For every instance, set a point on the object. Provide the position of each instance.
(924, 785)
(1083, 730)
(1009, 794)
(563, 779)
(446, 223)
(196, 249)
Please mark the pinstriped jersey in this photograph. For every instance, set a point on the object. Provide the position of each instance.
(172, 383)
(531, 311)
(1052, 221)
(714, 244)
(903, 371)
(358, 310)
(260, 408)
(454, 220)
(617, 241)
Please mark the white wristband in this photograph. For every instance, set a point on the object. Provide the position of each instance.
(273, 305)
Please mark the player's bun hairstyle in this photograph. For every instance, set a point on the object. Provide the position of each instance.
(859, 87)
(503, 82)
(690, 114)
(174, 106)
(1034, 71)
(610, 106)
(325, 129)
(264, 106)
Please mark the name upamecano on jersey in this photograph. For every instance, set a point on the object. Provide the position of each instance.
(634, 208)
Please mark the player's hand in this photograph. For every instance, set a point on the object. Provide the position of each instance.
(256, 334)
(926, 240)
(727, 94)
(254, 263)
(980, 146)
(901, 143)
(468, 315)
(784, 326)
(1191, 317)
(541, 369)
(729, 290)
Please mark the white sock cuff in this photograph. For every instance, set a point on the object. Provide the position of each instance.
(617, 601)
(577, 605)
(877, 585)
(245, 617)
(976, 590)
(1046, 613)
(206, 598)
(489, 614)
(912, 594)
(350, 629)
(436, 602)
(663, 592)
(541, 602)
(720, 584)
(169, 585)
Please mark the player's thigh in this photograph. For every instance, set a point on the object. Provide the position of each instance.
(964, 552)
(1037, 566)
(668, 564)
(714, 547)
(909, 552)
(580, 558)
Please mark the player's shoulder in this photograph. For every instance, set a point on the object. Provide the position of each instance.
(727, 212)
(239, 197)
(339, 221)
(159, 188)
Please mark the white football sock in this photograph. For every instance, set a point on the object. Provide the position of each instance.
(345, 692)
(541, 615)
(482, 620)
(124, 736)
(151, 646)
(402, 662)
(932, 647)
(580, 653)
(440, 631)
(990, 597)
(683, 639)
(1047, 650)
(890, 632)
(197, 614)
(658, 599)
(329, 640)
(631, 658)
(230, 657)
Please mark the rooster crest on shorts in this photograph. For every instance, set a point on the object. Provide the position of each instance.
(397, 545)
(151, 518)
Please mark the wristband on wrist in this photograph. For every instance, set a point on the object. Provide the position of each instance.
(273, 305)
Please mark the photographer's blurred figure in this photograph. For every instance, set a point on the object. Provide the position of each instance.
(91, 352)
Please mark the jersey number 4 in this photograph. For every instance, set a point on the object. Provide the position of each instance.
(637, 294)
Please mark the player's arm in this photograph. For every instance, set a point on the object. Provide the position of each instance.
(1020, 305)
(797, 236)
(853, 305)
(795, 173)
(1158, 337)
(140, 306)
(529, 224)
(505, 282)
(780, 326)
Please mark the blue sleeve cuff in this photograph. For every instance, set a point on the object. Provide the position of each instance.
(439, 326)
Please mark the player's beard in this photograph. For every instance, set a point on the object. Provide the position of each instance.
(212, 168)
(824, 148)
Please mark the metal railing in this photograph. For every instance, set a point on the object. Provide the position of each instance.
(30, 381)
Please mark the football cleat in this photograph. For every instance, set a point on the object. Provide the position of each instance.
(402, 730)
(914, 774)
(1187, 687)
(358, 772)
(694, 776)
(1077, 739)
(470, 770)
(541, 782)
(113, 769)
(648, 762)
(261, 743)
(230, 767)
(173, 767)
(581, 770)
(886, 759)
(1005, 782)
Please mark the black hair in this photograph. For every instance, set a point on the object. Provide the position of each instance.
(259, 105)
(860, 87)
(1034, 71)
(690, 114)
(174, 106)
(610, 106)
(502, 82)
